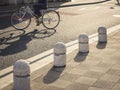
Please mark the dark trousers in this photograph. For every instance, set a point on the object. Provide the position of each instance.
(39, 6)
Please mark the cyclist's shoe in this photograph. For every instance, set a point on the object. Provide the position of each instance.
(37, 22)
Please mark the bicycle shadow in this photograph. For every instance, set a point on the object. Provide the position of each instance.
(16, 46)
(10, 35)
(19, 43)
(40, 34)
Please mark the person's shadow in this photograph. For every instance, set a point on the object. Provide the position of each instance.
(16, 46)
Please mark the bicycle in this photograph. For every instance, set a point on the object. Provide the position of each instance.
(21, 18)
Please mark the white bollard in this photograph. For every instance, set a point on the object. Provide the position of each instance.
(21, 73)
(59, 55)
(102, 35)
(83, 43)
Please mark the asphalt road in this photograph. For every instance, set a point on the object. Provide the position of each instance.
(74, 21)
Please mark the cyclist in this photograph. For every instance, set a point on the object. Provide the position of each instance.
(118, 2)
(41, 4)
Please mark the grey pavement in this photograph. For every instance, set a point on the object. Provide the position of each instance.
(24, 46)
(97, 70)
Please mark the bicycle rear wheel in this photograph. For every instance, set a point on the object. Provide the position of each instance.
(20, 19)
(51, 19)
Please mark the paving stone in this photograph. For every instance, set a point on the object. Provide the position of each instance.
(116, 87)
(37, 85)
(78, 71)
(86, 80)
(93, 74)
(115, 56)
(38, 82)
(9, 87)
(104, 84)
(118, 81)
(68, 68)
(73, 63)
(69, 77)
(77, 86)
(90, 62)
(108, 52)
(60, 83)
(116, 66)
(42, 71)
(94, 88)
(50, 88)
(99, 69)
(111, 78)
(106, 63)
(83, 67)
(114, 72)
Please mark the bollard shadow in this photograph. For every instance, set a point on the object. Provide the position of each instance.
(81, 56)
(53, 74)
(101, 45)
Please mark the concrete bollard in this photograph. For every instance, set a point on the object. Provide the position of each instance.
(83, 43)
(59, 55)
(21, 73)
(102, 35)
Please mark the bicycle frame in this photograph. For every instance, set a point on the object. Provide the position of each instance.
(26, 13)
(29, 10)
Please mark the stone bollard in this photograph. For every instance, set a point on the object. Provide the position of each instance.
(59, 55)
(102, 35)
(83, 43)
(21, 73)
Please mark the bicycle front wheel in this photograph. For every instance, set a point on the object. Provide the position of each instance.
(20, 20)
(51, 19)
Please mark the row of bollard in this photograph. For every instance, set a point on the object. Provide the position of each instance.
(22, 67)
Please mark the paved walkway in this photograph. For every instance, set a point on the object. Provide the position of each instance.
(97, 70)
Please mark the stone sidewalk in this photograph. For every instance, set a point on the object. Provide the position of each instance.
(97, 70)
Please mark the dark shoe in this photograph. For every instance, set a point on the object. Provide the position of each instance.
(37, 22)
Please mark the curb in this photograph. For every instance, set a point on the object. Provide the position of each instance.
(46, 57)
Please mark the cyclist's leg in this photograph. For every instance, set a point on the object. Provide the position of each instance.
(118, 2)
(37, 8)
